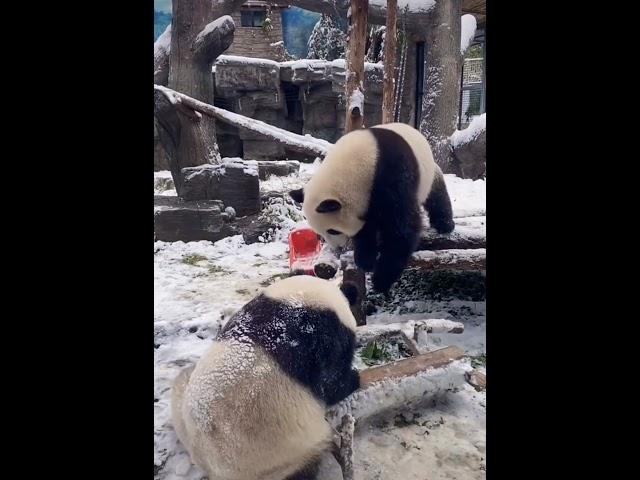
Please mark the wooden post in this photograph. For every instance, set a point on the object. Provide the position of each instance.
(390, 47)
(354, 97)
(356, 46)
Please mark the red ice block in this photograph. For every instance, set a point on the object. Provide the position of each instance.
(304, 248)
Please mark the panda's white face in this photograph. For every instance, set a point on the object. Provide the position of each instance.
(337, 197)
(330, 220)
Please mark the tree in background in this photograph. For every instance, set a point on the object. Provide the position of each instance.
(327, 41)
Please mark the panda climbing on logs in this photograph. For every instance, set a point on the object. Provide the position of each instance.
(253, 407)
(369, 188)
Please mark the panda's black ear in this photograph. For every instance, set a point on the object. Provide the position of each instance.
(328, 206)
(350, 291)
(297, 195)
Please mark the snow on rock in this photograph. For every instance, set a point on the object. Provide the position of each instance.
(468, 26)
(476, 127)
(234, 59)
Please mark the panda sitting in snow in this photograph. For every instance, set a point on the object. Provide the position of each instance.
(369, 188)
(253, 407)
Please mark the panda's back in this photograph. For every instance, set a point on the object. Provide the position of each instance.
(421, 151)
(248, 418)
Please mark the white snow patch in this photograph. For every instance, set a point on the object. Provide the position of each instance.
(411, 5)
(234, 59)
(468, 197)
(210, 27)
(476, 127)
(468, 26)
(357, 100)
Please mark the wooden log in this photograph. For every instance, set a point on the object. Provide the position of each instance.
(356, 46)
(389, 77)
(409, 366)
(327, 263)
(356, 277)
(454, 260)
(404, 383)
(343, 442)
(305, 144)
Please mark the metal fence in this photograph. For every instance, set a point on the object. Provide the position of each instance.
(472, 94)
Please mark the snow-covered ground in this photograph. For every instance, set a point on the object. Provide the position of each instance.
(199, 285)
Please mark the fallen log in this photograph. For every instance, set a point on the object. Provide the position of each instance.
(305, 144)
(400, 384)
(454, 259)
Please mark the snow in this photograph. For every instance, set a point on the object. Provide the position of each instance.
(210, 27)
(468, 25)
(468, 197)
(234, 59)
(414, 6)
(199, 285)
(356, 100)
(476, 127)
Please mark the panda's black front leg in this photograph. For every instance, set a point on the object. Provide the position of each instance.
(399, 240)
(365, 247)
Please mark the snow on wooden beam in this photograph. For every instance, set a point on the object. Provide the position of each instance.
(455, 259)
(470, 232)
(400, 384)
(303, 144)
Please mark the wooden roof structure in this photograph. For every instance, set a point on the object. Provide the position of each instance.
(477, 8)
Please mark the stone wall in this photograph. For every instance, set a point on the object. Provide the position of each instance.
(304, 96)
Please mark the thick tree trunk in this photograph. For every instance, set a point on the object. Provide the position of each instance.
(443, 64)
(198, 36)
(390, 46)
(357, 41)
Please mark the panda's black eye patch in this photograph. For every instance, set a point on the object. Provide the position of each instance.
(331, 231)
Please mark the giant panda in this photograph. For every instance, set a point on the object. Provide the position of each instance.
(253, 406)
(369, 188)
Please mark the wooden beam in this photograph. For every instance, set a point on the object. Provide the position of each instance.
(299, 143)
(410, 366)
